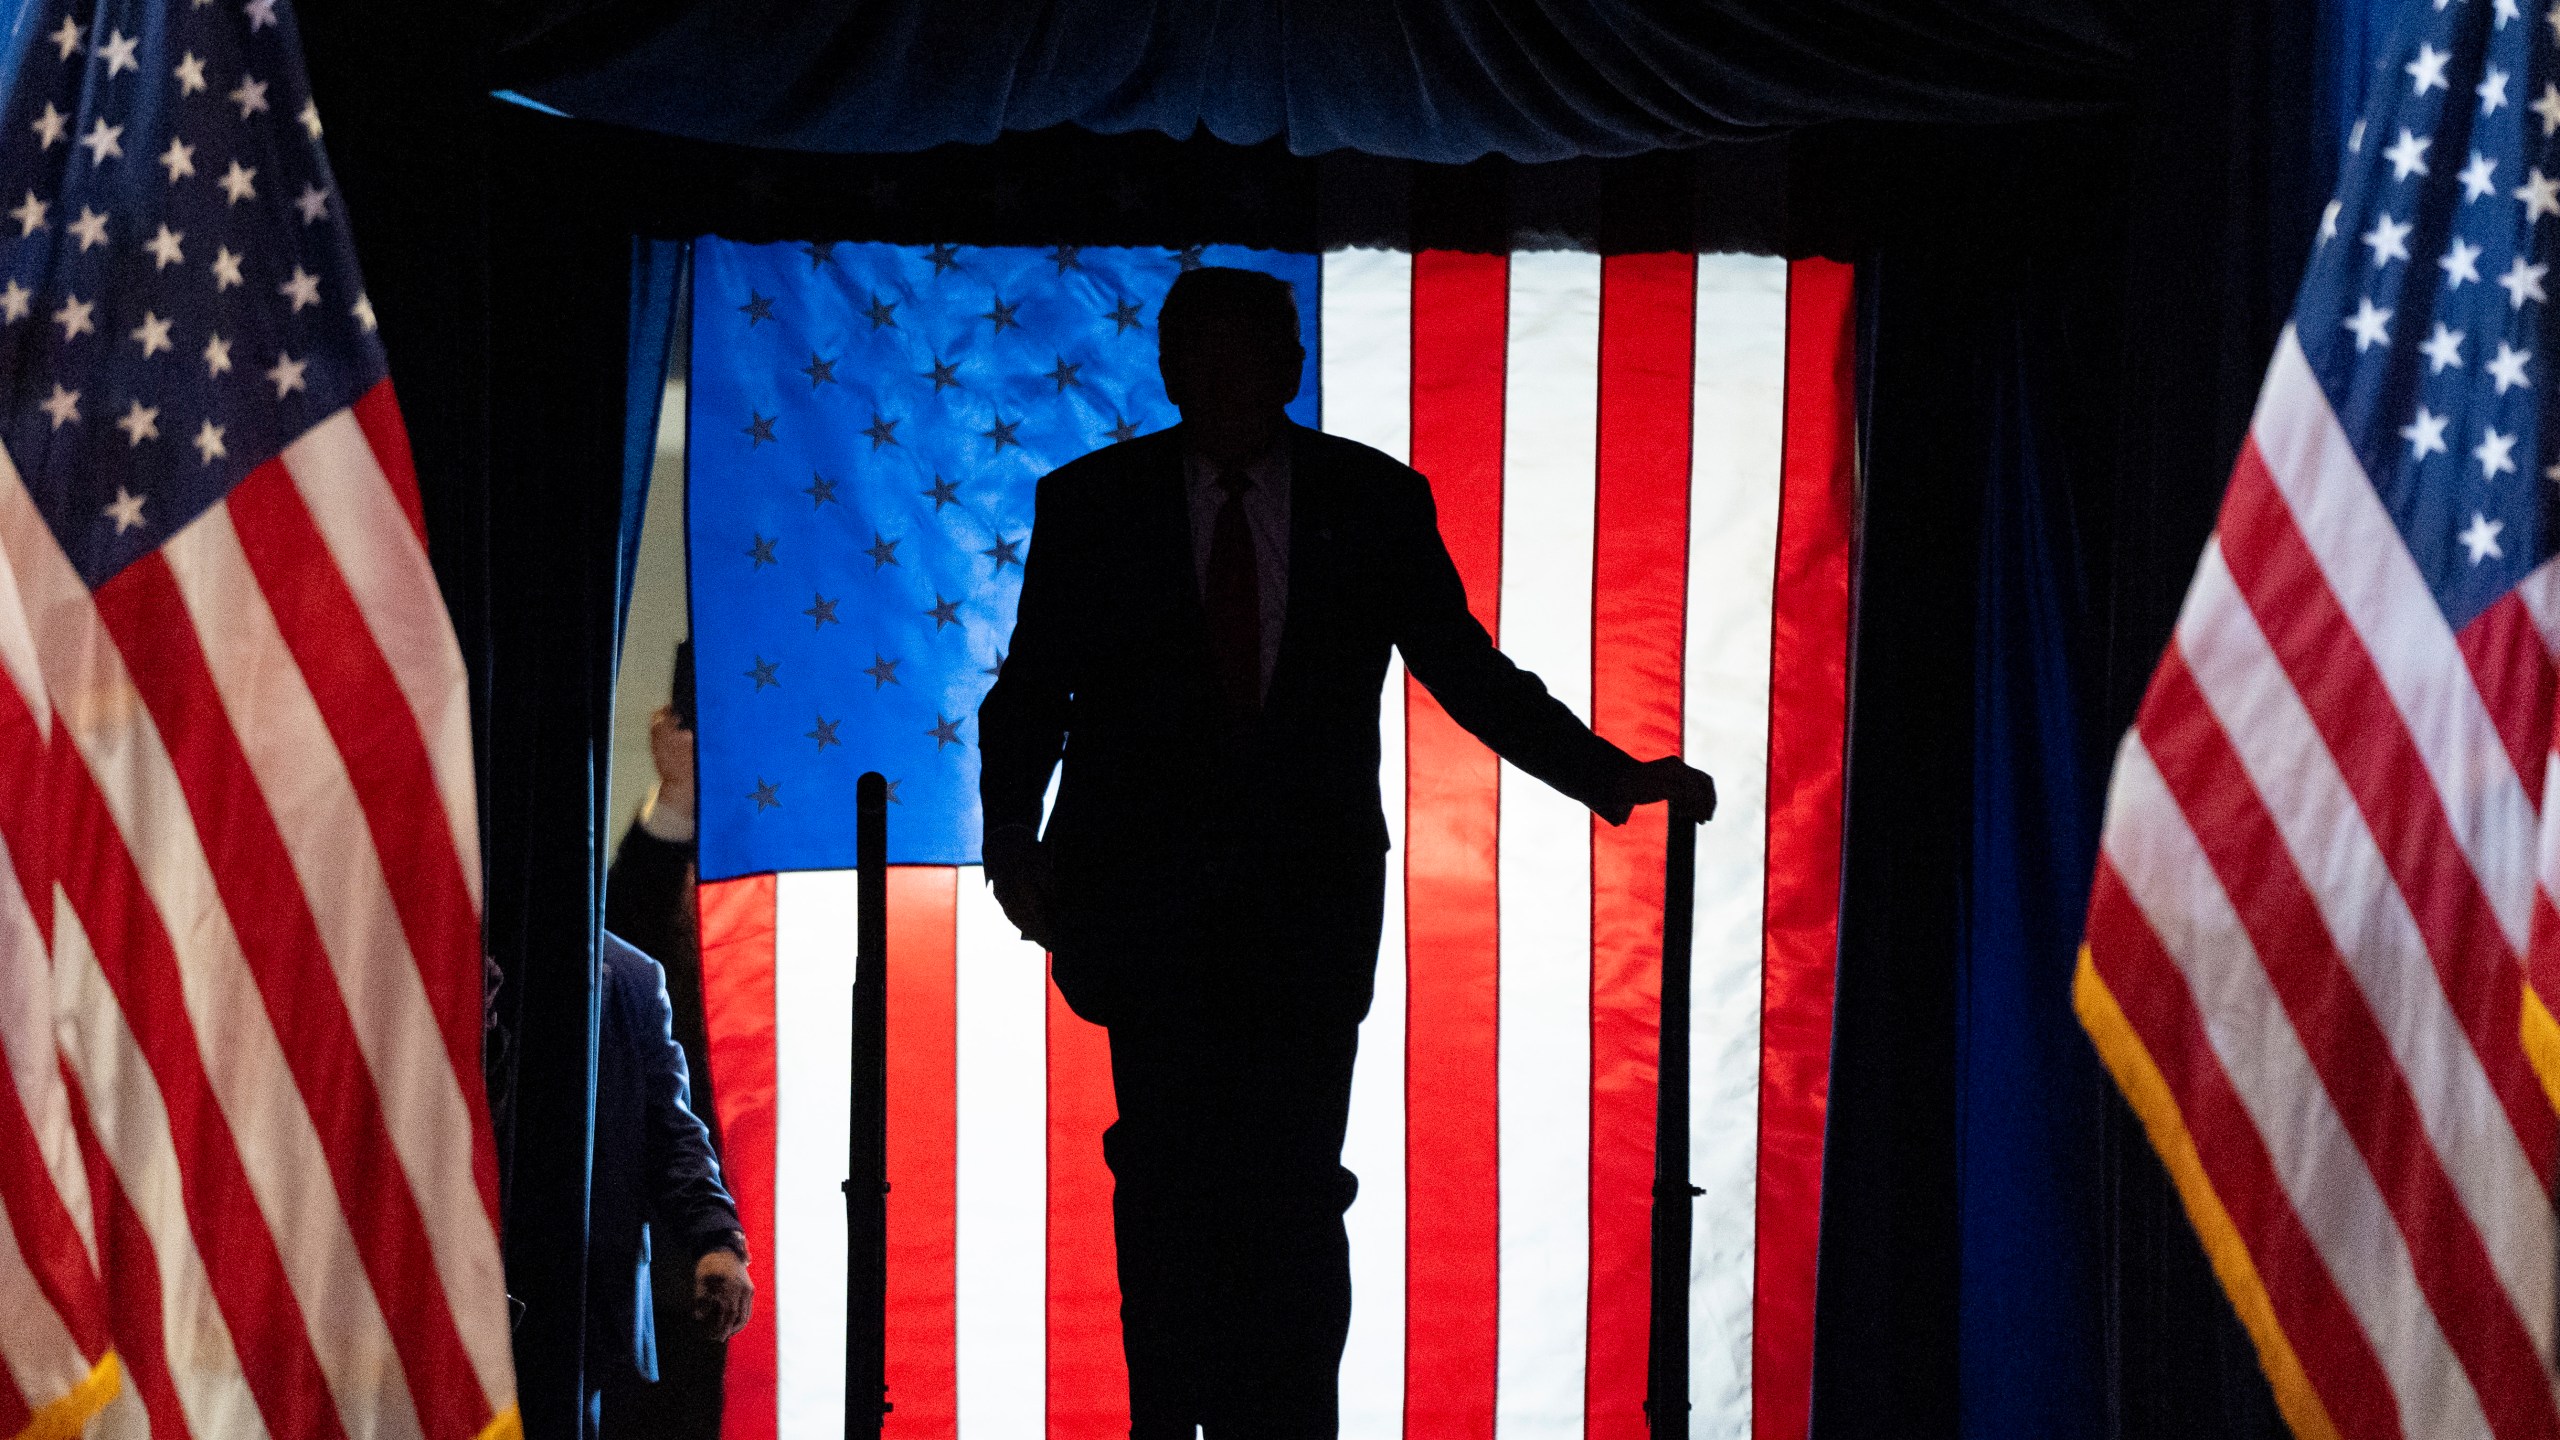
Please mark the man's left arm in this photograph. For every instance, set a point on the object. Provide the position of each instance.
(1498, 702)
(688, 1204)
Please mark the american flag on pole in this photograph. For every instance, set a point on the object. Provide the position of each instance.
(245, 1161)
(2318, 886)
(1642, 469)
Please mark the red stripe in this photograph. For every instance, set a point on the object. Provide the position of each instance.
(43, 1228)
(355, 688)
(377, 414)
(1639, 607)
(2482, 975)
(280, 942)
(16, 1408)
(268, 1326)
(2346, 1046)
(377, 737)
(737, 921)
(2503, 649)
(133, 1301)
(1088, 1375)
(24, 830)
(2335, 1352)
(37, 1216)
(923, 1004)
(1452, 940)
(2542, 961)
(1808, 728)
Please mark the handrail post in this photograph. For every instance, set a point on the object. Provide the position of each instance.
(1666, 1389)
(866, 1186)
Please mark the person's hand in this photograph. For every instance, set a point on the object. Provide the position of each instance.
(1018, 871)
(723, 1296)
(1691, 791)
(671, 746)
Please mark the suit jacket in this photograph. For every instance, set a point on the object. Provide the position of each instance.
(649, 901)
(653, 1175)
(1204, 860)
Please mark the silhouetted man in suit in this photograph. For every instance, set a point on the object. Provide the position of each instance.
(1205, 621)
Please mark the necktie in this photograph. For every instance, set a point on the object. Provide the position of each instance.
(1233, 598)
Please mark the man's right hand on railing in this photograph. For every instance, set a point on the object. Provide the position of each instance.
(1018, 871)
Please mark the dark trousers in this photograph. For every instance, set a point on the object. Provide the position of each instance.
(684, 1402)
(1235, 1272)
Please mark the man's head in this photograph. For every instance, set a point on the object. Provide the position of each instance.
(1227, 341)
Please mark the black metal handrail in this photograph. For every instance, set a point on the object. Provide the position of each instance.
(1666, 1378)
(866, 1185)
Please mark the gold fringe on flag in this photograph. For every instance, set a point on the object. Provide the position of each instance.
(66, 1415)
(2147, 1090)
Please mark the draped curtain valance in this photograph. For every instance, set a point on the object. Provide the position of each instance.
(1434, 80)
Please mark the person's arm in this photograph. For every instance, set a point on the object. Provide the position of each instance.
(1022, 724)
(646, 890)
(687, 1201)
(1506, 707)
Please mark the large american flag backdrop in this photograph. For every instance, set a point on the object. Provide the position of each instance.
(2318, 884)
(245, 1160)
(1642, 466)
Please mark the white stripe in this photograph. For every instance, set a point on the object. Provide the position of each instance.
(386, 568)
(124, 1418)
(1368, 348)
(2369, 568)
(132, 1127)
(1738, 431)
(1550, 439)
(1001, 1170)
(1368, 397)
(2148, 841)
(286, 1166)
(2245, 686)
(34, 1072)
(2540, 592)
(814, 930)
(36, 1348)
(304, 782)
(18, 659)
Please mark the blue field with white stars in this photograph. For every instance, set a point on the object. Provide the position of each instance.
(2426, 309)
(866, 427)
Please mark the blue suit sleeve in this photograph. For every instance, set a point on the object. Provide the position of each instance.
(688, 1204)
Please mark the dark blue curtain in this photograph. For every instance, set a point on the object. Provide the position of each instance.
(1439, 80)
(1962, 1288)
(2028, 1090)
(2056, 379)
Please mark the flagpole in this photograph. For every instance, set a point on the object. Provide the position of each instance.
(1666, 1389)
(866, 1186)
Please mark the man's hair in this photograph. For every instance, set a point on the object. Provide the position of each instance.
(1266, 303)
